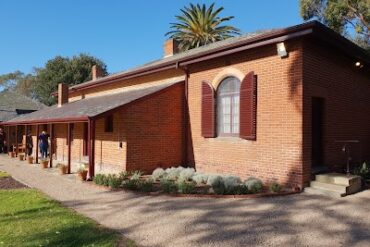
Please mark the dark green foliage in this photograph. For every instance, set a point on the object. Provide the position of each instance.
(101, 179)
(131, 184)
(275, 187)
(219, 187)
(146, 185)
(185, 187)
(114, 181)
(168, 186)
(44, 81)
(71, 71)
(200, 25)
(241, 189)
(345, 17)
(123, 175)
(111, 180)
(363, 171)
(98, 179)
(254, 185)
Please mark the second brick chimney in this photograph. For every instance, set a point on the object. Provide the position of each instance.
(170, 47)
(96, 72)
(62, 94)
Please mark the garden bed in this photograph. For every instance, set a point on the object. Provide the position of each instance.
(7, 182)
(185, 182)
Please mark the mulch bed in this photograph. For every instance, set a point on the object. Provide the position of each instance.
(8, 183)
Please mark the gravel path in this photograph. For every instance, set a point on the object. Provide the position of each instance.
(297, 220)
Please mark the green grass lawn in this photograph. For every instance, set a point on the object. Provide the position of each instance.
(29, 218)
(3, 174)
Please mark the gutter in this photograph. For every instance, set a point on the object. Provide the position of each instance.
(47, 121)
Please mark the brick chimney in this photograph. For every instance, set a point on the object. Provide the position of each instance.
(170, 47)
(96, 72)
(62, 94)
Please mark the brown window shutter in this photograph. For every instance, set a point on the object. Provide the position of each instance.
(248, 107)
(208, 111)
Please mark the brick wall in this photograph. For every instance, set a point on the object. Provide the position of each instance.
(154, 130)
(151, 132)
(277, 152)
(331, 75)
(109, 157)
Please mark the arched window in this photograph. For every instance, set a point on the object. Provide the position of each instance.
(228, 101)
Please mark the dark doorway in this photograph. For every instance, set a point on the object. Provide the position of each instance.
(317, 132)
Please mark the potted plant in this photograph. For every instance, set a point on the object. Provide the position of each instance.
(82, 172)
(44, 163)
(21, 157)
(30, 159)
(63, 168)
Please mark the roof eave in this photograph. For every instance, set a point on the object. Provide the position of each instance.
(47, 121)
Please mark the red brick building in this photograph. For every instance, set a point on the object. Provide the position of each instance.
(275, 105)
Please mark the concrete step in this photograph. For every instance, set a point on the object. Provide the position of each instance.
(342, 189)
(337, 178)
(315, 191)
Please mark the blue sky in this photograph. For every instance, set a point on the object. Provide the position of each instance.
(123, 34)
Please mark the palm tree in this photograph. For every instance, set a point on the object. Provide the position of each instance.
(199, 25)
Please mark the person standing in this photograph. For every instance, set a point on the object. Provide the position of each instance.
(44, 144)
(2, 141)
(29, 143)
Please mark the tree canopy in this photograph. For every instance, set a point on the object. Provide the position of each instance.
(348, 17)
(200, 25)
(43, 81)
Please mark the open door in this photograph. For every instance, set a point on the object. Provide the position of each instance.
(317, 154)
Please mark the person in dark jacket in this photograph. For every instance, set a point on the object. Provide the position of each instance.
(29, 144)
(44, 144)
(2, 141)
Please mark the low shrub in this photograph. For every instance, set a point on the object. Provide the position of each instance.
(168, 186)
(114, 181)
(185, 187)
(230, 184)
(99, 179)
(200, 178)
(363, 171)
(186, 174)
(212, 179)
(254, 185)
(135, 175)
(241, 189)
(158, 174)
(123, 175)
(275, 187)
(131, 184)
(106, 180)
(174, 172)
(146, 185)
(217, 184)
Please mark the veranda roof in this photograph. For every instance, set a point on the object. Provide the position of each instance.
(89, 108)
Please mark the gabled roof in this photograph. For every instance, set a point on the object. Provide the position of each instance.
(89, 108)
(12, 103)
(233, 45)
